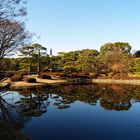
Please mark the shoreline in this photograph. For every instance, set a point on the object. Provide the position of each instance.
(116, 81)
(46, 82)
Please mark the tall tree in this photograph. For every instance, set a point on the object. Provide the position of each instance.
(11, 9)
(36, 54)
(27, 51)
(12, 34)
(12, 31)
(74, 61)
(39, 51)
(114, 56)
(135, 65)
(68, 61)
(87, 60)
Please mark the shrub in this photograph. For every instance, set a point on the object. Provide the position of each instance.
(2, 75)
(110, 74)
(79, 80)
(24, 73)
(74, 75)
(16, 77)
(9, 74)
(120, 76)
(64, 76)
(29, 80)
(44, 76)
(93, 74)
(85, 76)
(137, 73)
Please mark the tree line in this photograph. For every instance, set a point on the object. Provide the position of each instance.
(112, 57)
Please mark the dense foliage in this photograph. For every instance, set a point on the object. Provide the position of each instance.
(113, 58)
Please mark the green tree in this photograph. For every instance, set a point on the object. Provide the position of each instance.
(55, 63)
(137, 54)
(39, 52)
(14, 64)
(87, 61)
(76, 61)
(36, 55)
(68, 60)
(115, 56)
(135, 65)
(27, 52)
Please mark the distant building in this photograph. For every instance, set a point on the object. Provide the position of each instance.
(51, 52)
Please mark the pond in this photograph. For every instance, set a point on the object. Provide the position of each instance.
(74, 112)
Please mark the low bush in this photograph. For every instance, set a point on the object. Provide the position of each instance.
(64, 76)
(74, 75)
(2, 75)
(93, 74)
(24, 73)
(29, 79)
(110, 74)
(9, 74)
(16, 77)
(84, 76)
(137, 73)
(79, 80)
(44, 76)
(120, 76)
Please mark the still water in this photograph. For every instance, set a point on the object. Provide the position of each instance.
(75, 112)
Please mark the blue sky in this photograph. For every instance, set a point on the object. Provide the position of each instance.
(67, 25)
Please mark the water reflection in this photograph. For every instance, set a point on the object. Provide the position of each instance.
(111, 97)
(35, 102)
(19, 107)
(117, 98)
(8, 111)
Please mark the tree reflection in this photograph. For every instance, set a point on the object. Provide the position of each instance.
(33, 102)
(9, 112)
(117, 97)
(110, 97)
(85, 93)
(61, 102)
(36, 102)
(135, 93)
